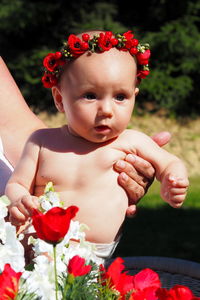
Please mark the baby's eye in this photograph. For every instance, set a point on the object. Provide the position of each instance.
(90, 96)
(120, 97)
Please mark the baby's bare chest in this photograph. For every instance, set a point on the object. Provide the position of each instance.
(73, 169)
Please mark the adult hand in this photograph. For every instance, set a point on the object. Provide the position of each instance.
(136, 174)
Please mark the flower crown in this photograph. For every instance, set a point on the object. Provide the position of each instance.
(75, 46)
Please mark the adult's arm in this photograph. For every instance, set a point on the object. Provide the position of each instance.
(137, 174)
(17, 121)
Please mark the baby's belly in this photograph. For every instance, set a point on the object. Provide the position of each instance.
(102, 210)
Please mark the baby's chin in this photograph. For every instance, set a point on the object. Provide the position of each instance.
(102, 139)
(101, 134)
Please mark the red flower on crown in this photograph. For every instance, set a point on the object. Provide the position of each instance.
(143, 58)
(76, 46)
(9, 283)
(53, 60)
(106, 41)
(49, 80)
(142, 73)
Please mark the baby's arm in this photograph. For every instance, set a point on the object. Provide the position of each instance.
(170, 170)
(20, 186)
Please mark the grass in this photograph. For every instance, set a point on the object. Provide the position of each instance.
(160, 230)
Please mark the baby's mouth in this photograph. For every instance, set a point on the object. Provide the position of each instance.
(102, 128)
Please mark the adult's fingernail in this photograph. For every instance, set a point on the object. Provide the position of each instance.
(131, 158)
(124, 176)
(120, 164)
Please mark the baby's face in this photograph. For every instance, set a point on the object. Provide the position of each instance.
(97, 94)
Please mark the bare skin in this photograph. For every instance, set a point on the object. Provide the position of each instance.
(98, 103)
(134, 176)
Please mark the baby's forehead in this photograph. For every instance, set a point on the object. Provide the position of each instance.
(110, 67)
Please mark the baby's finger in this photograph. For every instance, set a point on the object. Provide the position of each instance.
(29, 203)
(179, 182)
(22, 209)
(177, 200)
(178, 191)
(16, 217)
(35, 201)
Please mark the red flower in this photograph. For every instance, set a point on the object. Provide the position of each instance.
(9, 283)
(76, 46)
(49, 80)
(147, 294)
(146, 278)
(116, 279)
(178, 292)
(106, 41)
(53, 226)
(128, 35)
(145, 285)
(143, 58)
(142, 73)
(52, 61)
(77, 266)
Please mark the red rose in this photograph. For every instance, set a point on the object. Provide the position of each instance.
(54, 225)
(49, 80)
(9, 283)
(76, 46)
(77, 267)
(142, 58)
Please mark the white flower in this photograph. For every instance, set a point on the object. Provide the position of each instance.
(11, 250)
(41, 279)
(4, 202)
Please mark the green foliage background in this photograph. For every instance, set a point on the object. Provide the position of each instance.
(31, 29)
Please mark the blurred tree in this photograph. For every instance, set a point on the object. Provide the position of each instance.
(31, 29)
(175, 64)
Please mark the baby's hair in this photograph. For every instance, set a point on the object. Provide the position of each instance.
(94, 41)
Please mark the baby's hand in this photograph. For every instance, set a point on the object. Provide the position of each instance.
(21, 211)
(174, 190)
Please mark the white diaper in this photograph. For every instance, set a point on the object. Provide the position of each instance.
(105, 251)
(6, 169)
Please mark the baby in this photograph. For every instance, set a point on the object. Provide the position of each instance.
(94, 82)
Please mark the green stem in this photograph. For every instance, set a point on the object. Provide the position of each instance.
(55, 271)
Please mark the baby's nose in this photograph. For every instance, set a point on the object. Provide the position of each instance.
(105, 108)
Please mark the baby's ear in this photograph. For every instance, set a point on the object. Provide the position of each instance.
(136, 91)
(58, 100)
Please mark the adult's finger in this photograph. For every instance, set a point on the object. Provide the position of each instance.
(130, 170)
(134, 191)
(131, 211)
(141, 166)
(162, 138)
